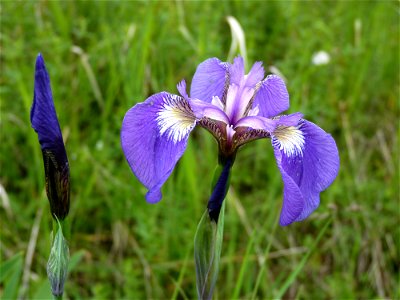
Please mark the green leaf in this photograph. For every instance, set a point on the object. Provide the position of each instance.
(300, 266)
(11, 272)
(42, 292)
(75, 259)
(207, 253)
(9, 266)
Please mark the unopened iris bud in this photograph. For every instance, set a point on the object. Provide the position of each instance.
(44, 121)
(57, 265)
(220, 187)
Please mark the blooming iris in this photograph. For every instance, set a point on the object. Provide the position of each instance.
(44, 121)
(236, 108)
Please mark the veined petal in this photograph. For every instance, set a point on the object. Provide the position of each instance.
(309, 162)
(236, 71)
(154, 136)
(181, 86)
(43, 114)
(202, 109)
(256, 122)
(255, 75)
(272, 97)
(209, 80)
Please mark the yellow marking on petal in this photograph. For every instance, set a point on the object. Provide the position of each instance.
(175, 118)
(290, 139)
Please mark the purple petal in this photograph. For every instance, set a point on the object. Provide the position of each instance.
(236, 70)
(202, 109)
(154, 136)
(181, 86)
(309, 172)
(256, 122)
(44, 121)
(290, 120)
(272, 97)
(293, 202)
(43, 114)
(255, 75)
(209, 80)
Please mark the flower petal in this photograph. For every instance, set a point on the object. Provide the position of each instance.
(202, 109)
(43, 114)
(154, 136)
(209, 80)
(309, 169)
(255, 75)
(236, 70)
(272, 97)
(256, 122)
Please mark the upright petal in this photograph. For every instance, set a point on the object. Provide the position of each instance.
(209, 80)
(43, 114)
(255, 75)
(272, 97)
(154, 136)
(236, 70)
(309, 162)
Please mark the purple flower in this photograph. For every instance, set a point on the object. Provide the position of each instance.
(44, 121)
(236, 108)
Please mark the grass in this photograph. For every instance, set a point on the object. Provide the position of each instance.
(103, 57)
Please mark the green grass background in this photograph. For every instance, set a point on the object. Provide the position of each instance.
(103, 57)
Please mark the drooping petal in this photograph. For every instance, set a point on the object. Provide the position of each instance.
(43, 114)
(209, 80)
(154, 136)
(272, 97)
(308, 160)
(293, 201)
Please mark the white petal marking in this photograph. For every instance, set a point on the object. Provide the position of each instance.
(254, 111)
(175, 118)
(217, 102)
(290, 139)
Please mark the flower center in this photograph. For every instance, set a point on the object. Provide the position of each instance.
(237, 100)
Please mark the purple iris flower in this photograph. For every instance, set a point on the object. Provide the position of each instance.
(236, 108)
(44, 121)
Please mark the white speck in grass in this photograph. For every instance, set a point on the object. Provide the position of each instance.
(320, 58)
(99, 145)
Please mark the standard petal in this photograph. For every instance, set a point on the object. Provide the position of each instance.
(43, 114)
(272, 97)
(209, 80)
(310, 163)
(236, 71)
(255, 75)
(154, 136)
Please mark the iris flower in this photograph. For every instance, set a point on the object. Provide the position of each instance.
(235, 108)
(44, 121)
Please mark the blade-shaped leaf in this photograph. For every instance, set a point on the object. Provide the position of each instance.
(207, 253)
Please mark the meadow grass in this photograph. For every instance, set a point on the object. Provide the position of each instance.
(103, 57)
